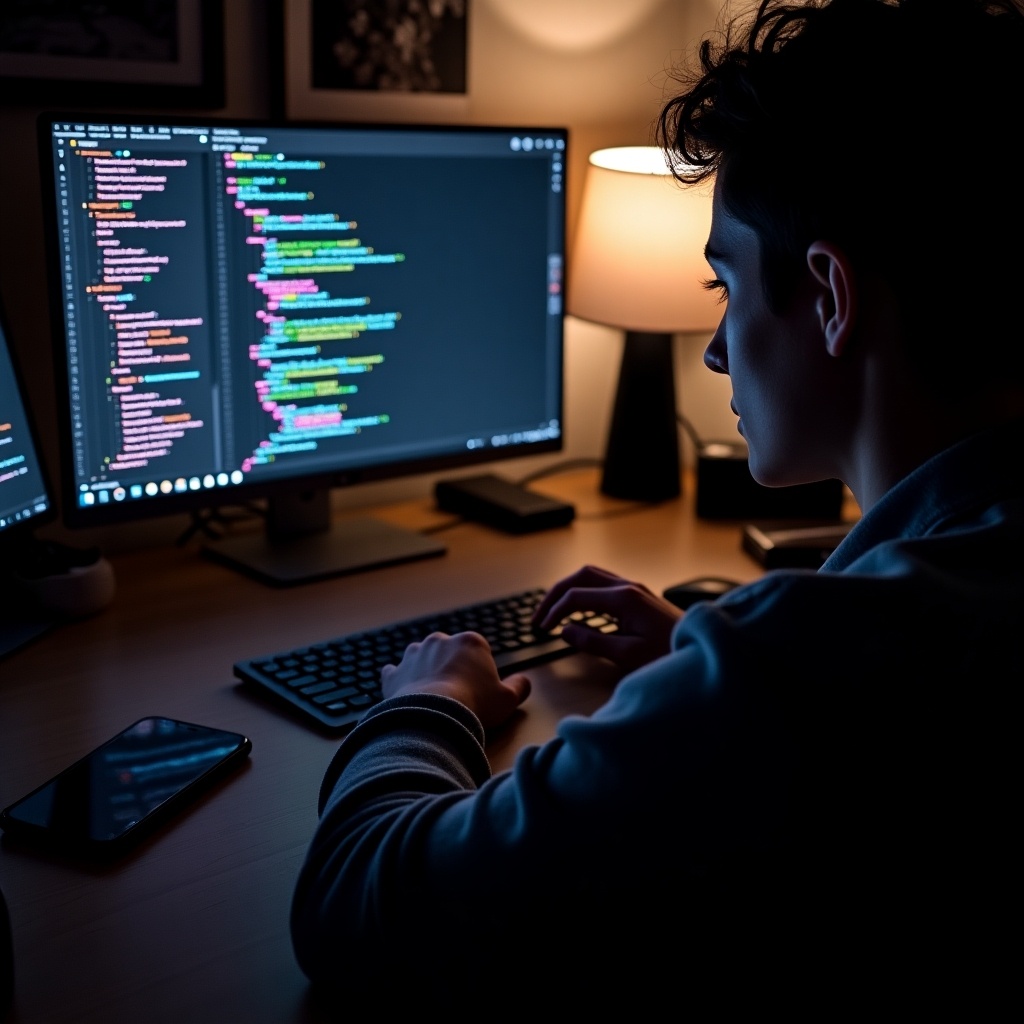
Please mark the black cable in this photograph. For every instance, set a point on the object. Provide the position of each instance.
(637, 506)
(440, 527)
(691, 433)
(559, 467)
(701, 443)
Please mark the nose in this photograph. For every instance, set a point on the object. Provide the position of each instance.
(716, 356)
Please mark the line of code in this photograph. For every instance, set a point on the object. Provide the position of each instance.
(308, 371)
(151, 358)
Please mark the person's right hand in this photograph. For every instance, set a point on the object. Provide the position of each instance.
(462, 667)
(645, 620)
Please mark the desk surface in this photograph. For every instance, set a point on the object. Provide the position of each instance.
(194, 925)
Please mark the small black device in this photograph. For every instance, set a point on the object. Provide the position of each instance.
(700, 588)
(727, 490)
(107, 801)
(501, 503)
(797, 545)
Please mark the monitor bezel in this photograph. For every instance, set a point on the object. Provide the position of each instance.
(244, 494)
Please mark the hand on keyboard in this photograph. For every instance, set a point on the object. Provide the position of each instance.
(458, 666)
(643, 621)
(334, 682)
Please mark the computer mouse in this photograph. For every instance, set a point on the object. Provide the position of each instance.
(700, 588)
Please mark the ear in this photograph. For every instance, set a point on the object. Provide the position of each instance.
(836, 299)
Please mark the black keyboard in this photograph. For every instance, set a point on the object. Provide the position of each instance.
(336, 681)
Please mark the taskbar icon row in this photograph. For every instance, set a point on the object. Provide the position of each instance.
(102, 494)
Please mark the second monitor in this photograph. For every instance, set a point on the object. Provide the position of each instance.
(268, 310)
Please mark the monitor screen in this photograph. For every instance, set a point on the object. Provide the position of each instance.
(254, 310)
(25, 500)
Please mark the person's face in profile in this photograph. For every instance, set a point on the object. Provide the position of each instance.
(784, 382)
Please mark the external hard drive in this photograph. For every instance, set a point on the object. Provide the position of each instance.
(502, 504)
(797, 546)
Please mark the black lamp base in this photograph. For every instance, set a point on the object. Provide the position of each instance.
(642, 459)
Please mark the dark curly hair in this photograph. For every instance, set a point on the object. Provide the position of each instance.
(890, 128)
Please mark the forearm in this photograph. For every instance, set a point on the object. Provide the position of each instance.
(448, 730)
(425, 867)
(361, 866)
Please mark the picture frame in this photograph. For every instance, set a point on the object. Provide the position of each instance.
(327, 71)
(119, 54)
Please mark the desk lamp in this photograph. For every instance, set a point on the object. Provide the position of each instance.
(638, 264)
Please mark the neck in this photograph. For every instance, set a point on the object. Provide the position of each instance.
(914, 431)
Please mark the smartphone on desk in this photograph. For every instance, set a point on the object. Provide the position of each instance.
(107, 801)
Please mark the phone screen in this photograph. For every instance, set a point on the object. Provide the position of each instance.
(131, 782)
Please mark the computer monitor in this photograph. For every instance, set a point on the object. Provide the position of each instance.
(25, 497)
(26, 502)
(270, 310)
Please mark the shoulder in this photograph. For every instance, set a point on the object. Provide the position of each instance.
(951, 601)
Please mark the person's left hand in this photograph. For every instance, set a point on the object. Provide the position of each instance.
(459, 666)
(645, 620)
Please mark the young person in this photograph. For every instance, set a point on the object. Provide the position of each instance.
(805, 786)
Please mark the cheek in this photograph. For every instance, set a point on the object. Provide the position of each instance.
(764, 381)
(744, 352)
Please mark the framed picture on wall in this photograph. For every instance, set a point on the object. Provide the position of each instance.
(373, 60)
(123, 53)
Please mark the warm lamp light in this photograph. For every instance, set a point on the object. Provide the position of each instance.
(638, 263)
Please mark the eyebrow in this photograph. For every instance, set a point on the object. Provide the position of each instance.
(711, 253)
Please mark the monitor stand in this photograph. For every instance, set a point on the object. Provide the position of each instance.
(301, 544)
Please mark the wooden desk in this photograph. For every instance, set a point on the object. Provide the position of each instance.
(193, 927)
